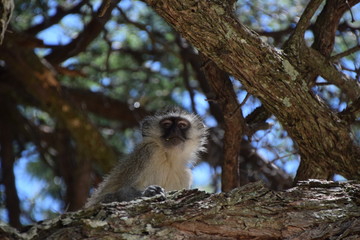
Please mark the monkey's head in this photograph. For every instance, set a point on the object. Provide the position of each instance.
(175, 128)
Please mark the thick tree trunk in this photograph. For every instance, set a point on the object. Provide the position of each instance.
(312, 210)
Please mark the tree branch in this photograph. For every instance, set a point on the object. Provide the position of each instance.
(321, 66)
(327, 23)
(7, 158)
(60, 13)
(344, 54)
(324, 30)
(41, 83)
(352, 112)
(304, 21)
(94, 102)
(195, 62)
(105, 106)
(104, 7)
(312, 210)
(234, 122)
(79, 44)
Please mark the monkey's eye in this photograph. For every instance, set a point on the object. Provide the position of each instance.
(166, 123)
(183, 124)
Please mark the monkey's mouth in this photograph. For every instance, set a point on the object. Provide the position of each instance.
(173, 141)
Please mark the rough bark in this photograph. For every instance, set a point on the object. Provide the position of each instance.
(312, 210)
(6, 9)
(277, 78)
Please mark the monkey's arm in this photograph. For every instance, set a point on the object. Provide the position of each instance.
(119, 184)
(126, 194)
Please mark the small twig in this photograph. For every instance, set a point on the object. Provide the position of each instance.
(210, 100)
(352, 16)
(345, 53)
(347, 69)
(238, 107)
(104, 8)
(245, 99)
(186, 79)
(142, 27)
(284, 156)
(351, 112)
(305, 18)
(323, 84)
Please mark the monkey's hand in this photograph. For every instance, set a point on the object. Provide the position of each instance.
(153, 190)
(130, 193)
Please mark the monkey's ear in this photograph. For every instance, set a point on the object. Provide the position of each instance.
(145, 126)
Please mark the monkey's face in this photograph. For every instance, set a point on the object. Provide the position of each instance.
(174, 131)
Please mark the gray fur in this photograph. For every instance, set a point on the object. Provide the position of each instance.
(151, 163)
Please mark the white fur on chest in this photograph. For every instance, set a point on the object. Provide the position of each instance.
(166, 169)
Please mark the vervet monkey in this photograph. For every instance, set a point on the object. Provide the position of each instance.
(172, 139)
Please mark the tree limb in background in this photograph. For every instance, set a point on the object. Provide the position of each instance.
(195, 62)
(234, 122)
(258, 169)
(105, 106)
(80, 43)
(41, 83)
(60, 13)
(7, 157)
(86, 100)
